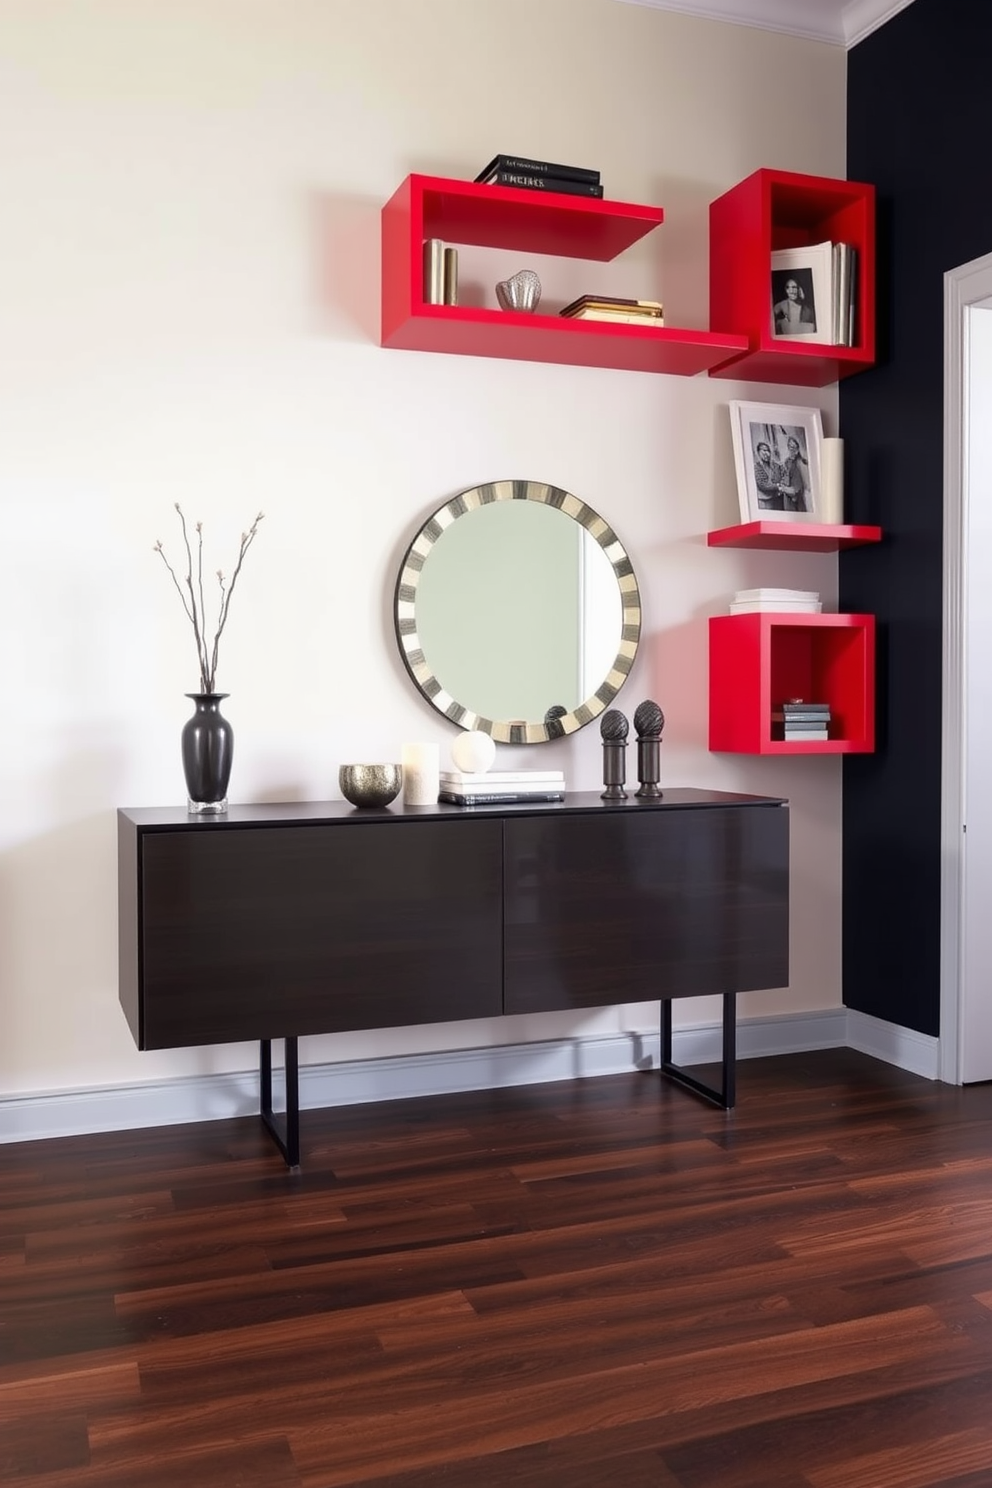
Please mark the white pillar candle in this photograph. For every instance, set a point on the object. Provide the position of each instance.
(421, 774)
(832, 482)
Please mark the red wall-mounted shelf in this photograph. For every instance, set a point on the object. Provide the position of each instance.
(783, 209)
(796, 537)
(464, 212)
(761, 660)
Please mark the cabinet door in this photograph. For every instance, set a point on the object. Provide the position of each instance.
(636, 904)
(263, 932)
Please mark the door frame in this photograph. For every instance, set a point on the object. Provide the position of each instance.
(965, 288)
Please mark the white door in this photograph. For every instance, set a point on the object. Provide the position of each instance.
(966, 994)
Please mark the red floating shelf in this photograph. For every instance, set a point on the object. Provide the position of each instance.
(464, 212)
(773, 209)
(551, 222)
(759, 661)
(796, 537)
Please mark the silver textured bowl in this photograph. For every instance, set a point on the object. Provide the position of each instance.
(370, 785)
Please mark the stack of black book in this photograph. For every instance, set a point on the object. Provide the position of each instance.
(540, 175)
(800, 722)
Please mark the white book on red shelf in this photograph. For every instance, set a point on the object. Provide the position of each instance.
(810, 594)
(775, 607)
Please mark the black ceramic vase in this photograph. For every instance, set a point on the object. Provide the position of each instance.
(208, 751)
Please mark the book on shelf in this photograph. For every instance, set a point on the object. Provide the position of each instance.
(537, 168)
(779, 601)
(505, 798)
(527, 182)
(822, 308)
(620, 317)
(775, 607)
(802, 705)
(503, 777)
(800, 723)
(765, 593)
(815, 736)
(611, 302)
(844, 270)
(507, 788)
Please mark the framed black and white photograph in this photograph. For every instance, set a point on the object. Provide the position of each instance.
(777, 452)
(801, 292)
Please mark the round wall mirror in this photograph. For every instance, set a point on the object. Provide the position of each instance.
(517, 611)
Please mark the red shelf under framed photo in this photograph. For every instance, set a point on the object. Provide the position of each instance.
(795, 537)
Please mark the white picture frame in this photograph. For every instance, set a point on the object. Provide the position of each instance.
(802, 293)
(785, 485)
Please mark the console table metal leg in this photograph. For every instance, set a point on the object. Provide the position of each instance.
(285, 1132)
(727, 1094)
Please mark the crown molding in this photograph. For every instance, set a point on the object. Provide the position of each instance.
(841, 22)
(862, 17)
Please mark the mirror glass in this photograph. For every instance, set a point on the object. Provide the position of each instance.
(517, 611)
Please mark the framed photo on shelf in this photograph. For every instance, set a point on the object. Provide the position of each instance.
(802, 292)
(777, 451)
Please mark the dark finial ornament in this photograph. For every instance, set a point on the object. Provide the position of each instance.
(648, 719)
(649, 722)
(613, 728)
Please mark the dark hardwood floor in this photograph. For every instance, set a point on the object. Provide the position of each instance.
(606, 1281)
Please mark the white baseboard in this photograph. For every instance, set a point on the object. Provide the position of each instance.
(919, 1053)
(214, 1097)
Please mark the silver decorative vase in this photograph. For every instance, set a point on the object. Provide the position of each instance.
(521, 291)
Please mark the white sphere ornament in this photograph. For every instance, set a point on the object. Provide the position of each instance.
(473, 752)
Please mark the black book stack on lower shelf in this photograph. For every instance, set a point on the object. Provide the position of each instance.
(800, 722)
(540, 175)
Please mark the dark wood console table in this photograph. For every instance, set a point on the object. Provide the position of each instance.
(276, 921)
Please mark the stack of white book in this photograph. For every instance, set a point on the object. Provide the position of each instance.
(500, 787)
(745, 601)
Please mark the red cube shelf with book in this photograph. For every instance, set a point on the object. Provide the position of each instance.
(772, 210)
(762, 660)
(536, 222)
(794, 537)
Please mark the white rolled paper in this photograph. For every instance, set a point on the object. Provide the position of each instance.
(832, 482)
(421, 774)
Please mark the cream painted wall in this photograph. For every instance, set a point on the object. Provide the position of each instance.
(189, 311)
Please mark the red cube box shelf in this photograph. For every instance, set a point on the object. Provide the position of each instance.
(758, 661)
(773, 209)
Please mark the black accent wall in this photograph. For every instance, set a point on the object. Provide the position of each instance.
(919, 126)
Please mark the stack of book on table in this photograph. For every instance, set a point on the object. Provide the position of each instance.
(800, 722)
(626, 312)
(540, 175)
(501, 787)
(785, 601)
